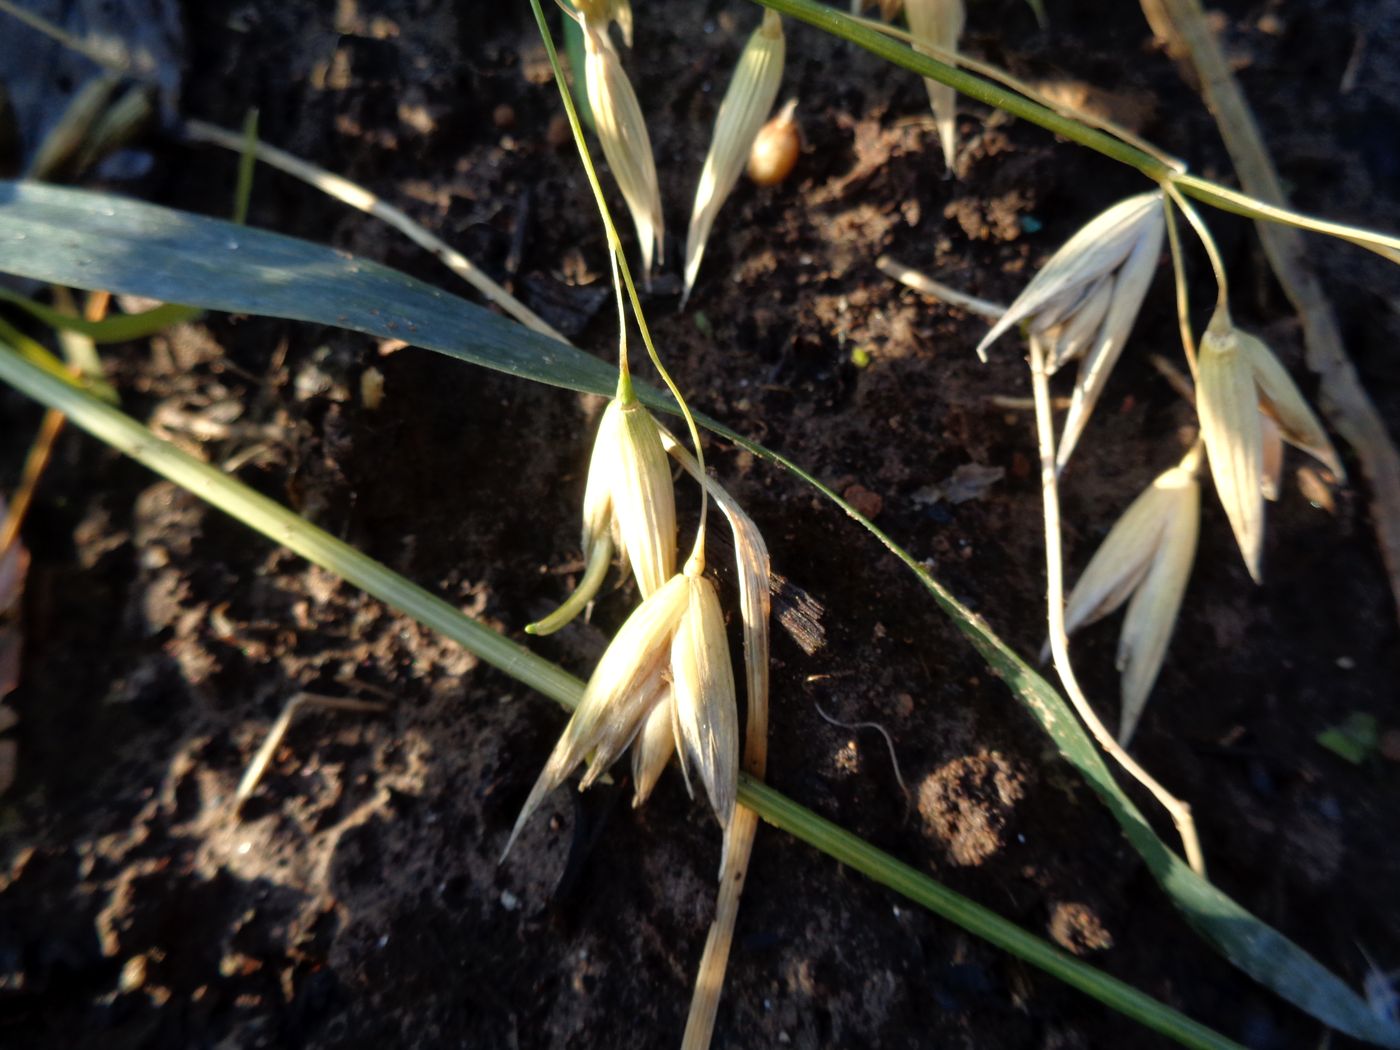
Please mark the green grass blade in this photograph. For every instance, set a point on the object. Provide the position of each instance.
(89, 240)
(118, 328)
(292, 531)
(855, 852)
(247, 161)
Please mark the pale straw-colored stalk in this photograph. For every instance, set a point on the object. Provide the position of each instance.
(358, 197)
(755, 604)
(746, 104)
(1179, 811)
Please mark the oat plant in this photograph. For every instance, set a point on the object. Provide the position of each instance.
(91, 241)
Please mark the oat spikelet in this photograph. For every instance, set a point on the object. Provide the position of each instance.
(629, 675)
(939, 23)
(1247, 403)
(703, 681)
(1147, 555)
(671, 650)
(623, 134)
(620, 11)
(629, 507)
(745, 107)
(1083, 302)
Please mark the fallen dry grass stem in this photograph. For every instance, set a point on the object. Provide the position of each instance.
(921, 282)
(260, 761)
(1178, 380)
(358, 197)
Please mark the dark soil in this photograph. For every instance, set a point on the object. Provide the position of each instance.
(358, 902)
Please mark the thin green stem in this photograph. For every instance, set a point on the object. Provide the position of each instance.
(625, 393)
(247, 162)
(280, 525)
(855, 852)
(696, 562)
(843, 25)
(878, 43)
(1001, 76)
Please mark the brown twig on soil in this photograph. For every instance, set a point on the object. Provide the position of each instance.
(1344, 402)
(39, 452)
(1059, 640)
(1011, 403)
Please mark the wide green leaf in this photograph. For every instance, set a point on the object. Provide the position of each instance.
(89, 240)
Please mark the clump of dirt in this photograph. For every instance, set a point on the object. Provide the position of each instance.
(967, 805)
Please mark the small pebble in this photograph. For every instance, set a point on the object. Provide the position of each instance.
(558, 133)
(866, 502)
(503, 116)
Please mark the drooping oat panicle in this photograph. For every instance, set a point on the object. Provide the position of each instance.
(752, 566)
(703, 684)
(629, 675)
(745, 107)
(629, 506)
(623, 134)
(939, 23)
(671, 650)
(1147, 555)
(1083, 302)
(1243, 395)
